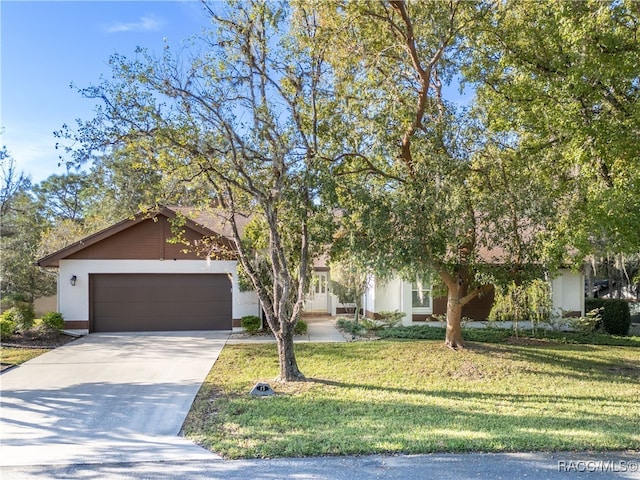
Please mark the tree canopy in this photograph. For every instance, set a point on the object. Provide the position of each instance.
(21, 226)
(561, 80)
(440, 194)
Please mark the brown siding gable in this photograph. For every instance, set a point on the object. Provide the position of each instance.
(143, 237)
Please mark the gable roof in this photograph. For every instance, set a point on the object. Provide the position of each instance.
(53, 259)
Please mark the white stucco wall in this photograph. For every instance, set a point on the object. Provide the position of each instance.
(568, 292)
(73, 301)
(245, 303)
(567, 295)
(390, 296)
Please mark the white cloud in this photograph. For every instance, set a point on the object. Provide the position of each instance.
(146, 23)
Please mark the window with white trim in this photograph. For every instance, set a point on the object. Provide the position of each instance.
(421, 295)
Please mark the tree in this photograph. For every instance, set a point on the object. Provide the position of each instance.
(561, 80)
(350, 282)
(419, 175)
(62, 202)
(61, 195)
(13, 183)
(20, 229)
(126, 180)
(239, 122)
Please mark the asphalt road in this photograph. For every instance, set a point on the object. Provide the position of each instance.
(539, 466)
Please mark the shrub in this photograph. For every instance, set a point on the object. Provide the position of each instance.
(500, 335)
(349, 326)
(616, 318)
(390, 319)
(372, 325)
(251, 324)
(23, 315)
(26, 316)
(301, 328)
(427, 332)
(53, 321)
(7, 323)
(589, 323)
(487, 335)
(415, 332)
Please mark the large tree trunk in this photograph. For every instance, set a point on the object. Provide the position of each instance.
(457, 297)
(289, 371)
(453, 338)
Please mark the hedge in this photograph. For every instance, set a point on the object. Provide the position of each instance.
(616, 318)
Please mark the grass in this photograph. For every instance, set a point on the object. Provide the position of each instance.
(15, 356)
(20, 347)
(405, 396)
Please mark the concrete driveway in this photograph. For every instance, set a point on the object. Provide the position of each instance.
(106, 398)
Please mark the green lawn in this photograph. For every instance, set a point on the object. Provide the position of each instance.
(399, 396)
(16, 356)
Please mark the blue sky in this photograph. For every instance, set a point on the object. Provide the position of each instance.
(47, 45)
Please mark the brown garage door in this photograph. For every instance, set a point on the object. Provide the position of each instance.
(156, 302)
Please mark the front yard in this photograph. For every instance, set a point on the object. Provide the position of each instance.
(12, 356)
(394, 396)
(19, 348)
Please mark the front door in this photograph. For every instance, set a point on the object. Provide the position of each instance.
(318, 297)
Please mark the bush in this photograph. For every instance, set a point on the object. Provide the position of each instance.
(23, 315)
(427, 332)
(415, 332)
(371, 325)
(349, 326)
(390, 319)
(589, 323)
(251, 324)
(26, 316)
(53, 321)
(7, 323)
(301, 328)
(616, 318)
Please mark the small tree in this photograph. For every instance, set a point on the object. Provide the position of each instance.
(529, 301)
(349, 283)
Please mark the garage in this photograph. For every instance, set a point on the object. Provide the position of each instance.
(147, 273)
(159, 302)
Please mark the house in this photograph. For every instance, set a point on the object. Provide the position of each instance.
(419, 305)
(133, 276)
